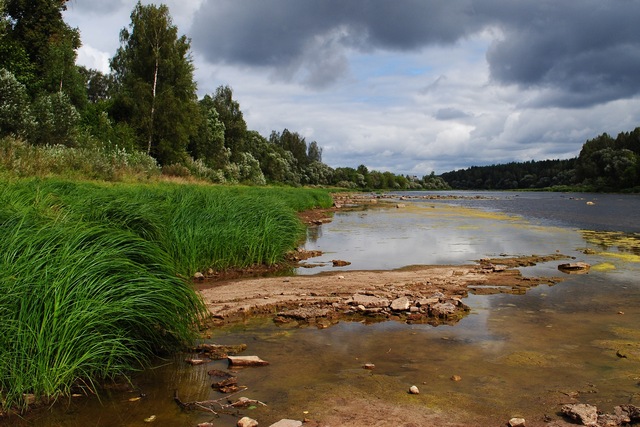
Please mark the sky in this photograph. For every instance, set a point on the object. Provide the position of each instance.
(408, 86)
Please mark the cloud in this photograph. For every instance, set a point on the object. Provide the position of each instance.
(581, 53)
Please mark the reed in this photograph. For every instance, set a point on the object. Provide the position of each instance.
(89, 284)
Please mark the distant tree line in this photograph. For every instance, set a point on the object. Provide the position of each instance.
(148, 104)
(604, 164)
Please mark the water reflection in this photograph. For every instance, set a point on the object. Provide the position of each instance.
(388, 238)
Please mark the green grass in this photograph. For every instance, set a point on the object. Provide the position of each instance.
(90, 274)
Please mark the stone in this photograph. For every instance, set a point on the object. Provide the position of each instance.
(400, 304)
(369, 366)
(517, 422)
(339, 263)
(443, 309)
(247, 422)
(368, 301)
(574, 267)
(246, 361)
(287, 423)
(426, 302)
(585, 413)
(414, 390)
(198, 276)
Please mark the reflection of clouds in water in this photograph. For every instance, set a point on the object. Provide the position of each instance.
(390, 238)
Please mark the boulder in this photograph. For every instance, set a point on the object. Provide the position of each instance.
(586, 414)
(339, 263)
(517, 422)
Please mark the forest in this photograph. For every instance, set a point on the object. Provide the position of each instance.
(604, 164)
(144, 118)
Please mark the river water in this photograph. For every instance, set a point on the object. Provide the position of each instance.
(514, 355)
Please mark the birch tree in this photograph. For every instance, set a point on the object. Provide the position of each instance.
(155, 89)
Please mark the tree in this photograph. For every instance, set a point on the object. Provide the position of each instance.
(155, 89)
(235, 128)
(15, 112)
(208, 143)
(38, 34)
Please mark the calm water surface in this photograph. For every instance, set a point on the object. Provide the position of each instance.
(516, 354)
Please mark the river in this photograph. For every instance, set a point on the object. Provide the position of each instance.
(513, 355)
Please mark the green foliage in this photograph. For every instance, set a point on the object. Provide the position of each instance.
(235, 128)
(43, 47)
(56, 120)
(15, 110)
(208, 144)
(155, 90)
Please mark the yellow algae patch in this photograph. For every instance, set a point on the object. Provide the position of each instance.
(623, 256)
(623, 241)
(604, 266)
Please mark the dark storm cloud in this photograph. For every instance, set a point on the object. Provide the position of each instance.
(577, 52)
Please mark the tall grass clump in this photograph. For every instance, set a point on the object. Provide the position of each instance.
(90, 281)
(81, 301)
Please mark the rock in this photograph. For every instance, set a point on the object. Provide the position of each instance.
(400, 304)
(339, 263)
(207, 424)
(369, 301)
(574, 267)
(401, 205)
(426, 302)
(246, 361)
(586, 414)
(369, 366)
(198, 276)
(414, 390)
(445, 309)
(287, 423)
(517, 422)
(247, 422)
(456, 378)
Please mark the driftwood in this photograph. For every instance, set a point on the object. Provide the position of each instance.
(208, 405)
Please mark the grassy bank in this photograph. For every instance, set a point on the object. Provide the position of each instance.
(92, 275)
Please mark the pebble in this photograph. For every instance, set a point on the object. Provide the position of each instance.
(517, 422)
(414, 390)
(247, 422)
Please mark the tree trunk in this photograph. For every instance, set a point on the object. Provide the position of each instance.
(153, 106)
